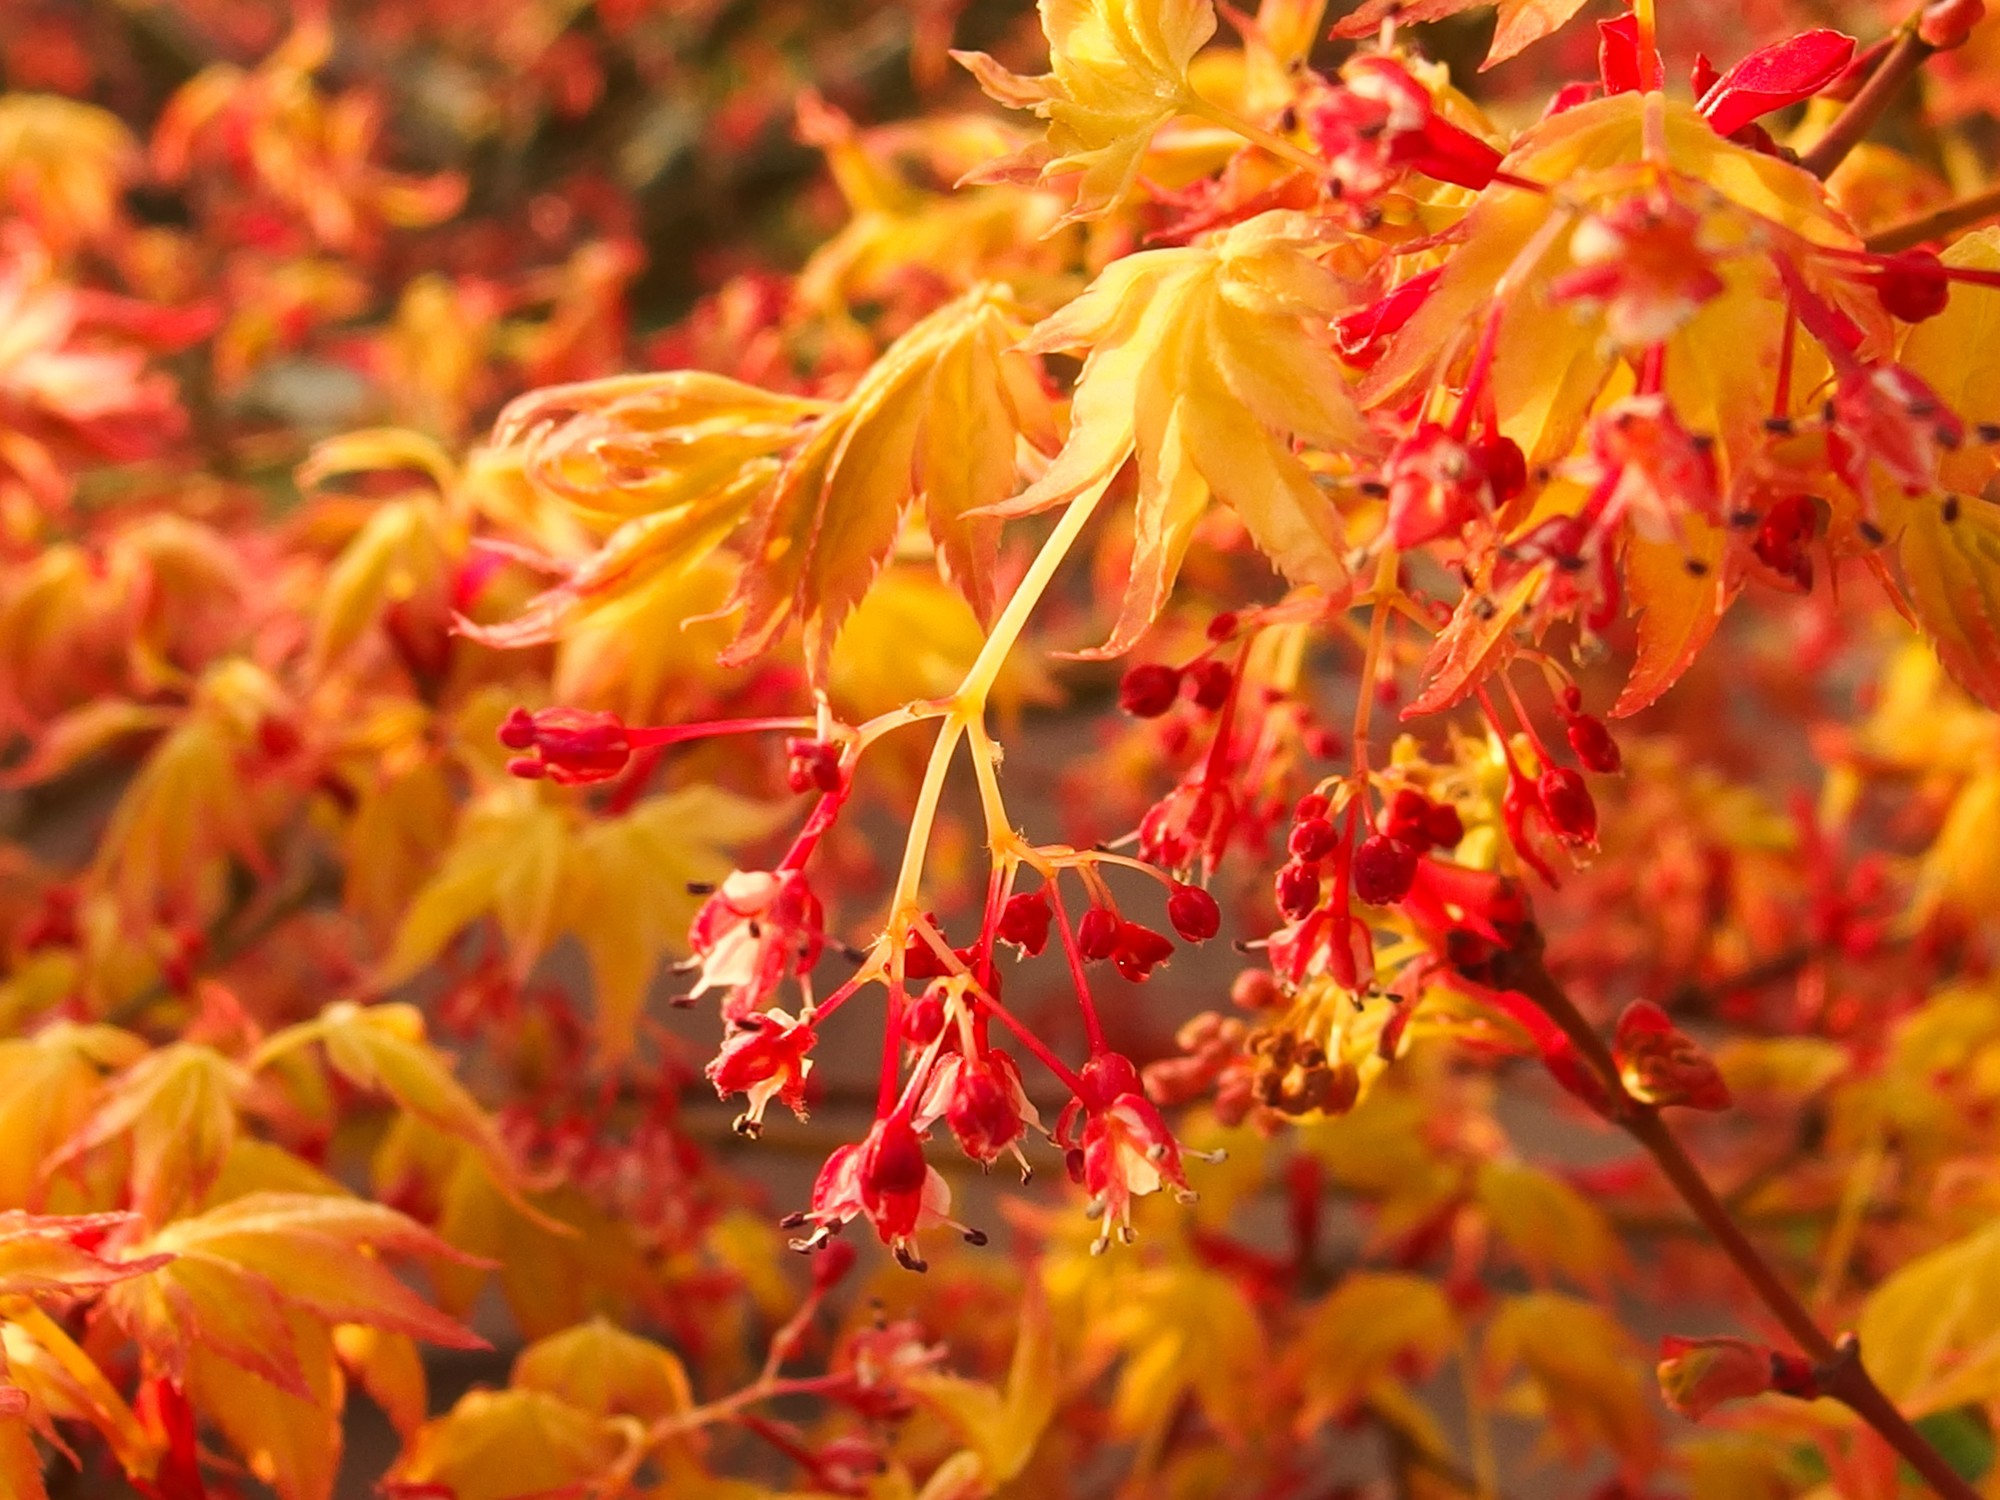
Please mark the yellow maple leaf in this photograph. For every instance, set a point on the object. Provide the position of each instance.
(382, 1048)
(1521, 23)
(1117, 72)
(1585, 1373)
(821, 489)
(1001, 1428)
(618, 884)
(1550, 1227)
(1357, 1339)
(1949, 550)
(508, 1445)
(1203, 363)
(600, 1368)
(1929, 1328)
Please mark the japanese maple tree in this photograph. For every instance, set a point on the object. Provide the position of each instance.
(1364, 651)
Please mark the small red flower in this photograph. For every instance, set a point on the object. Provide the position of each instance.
(759, 928)
(1123, 1150)
(764, 1057)
(1024, 921)
(982, 1100)
(884, 1179)
(1381, 124)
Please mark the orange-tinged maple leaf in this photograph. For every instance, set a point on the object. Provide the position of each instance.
(290, 1438)
(241, 1272)
(1117, 72)
(178, 1106)
(390, 1368)
(20, 1461)
(1478, 636)
(1679, 606)
(1203, 363)
(66, 1383)
(560, 1258)
(48, 1085)
(55, 1256)
(1521, 24)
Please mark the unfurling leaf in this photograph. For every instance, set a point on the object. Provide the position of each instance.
(936, 420)
(1203, 364)
(1117, 72)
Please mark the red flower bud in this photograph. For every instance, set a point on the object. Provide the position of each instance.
(831, 1264)
(1443, 828)
(1408, 818)
(1311, 805)
(1097, 933)
(1139, 950)
(1593, 744)
(1313, 839)
(1212, 682)
(1148, 690)
(573, 746)
(1024, 921)
(1945, 24)
(1913, 286)
(1383, 870)
(1567, 802)
(1194, 913)
(1298, 890)
(1254, 989)
(923, 1020)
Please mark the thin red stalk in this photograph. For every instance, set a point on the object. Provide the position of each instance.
(839, 997)
(892, 1046)
(1036, 1048)
(676, 734)
(1093, 1028)
(1838, 1367)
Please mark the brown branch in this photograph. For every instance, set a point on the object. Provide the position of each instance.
(1936, 224)
(1909, 53)
(1841, 1375)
